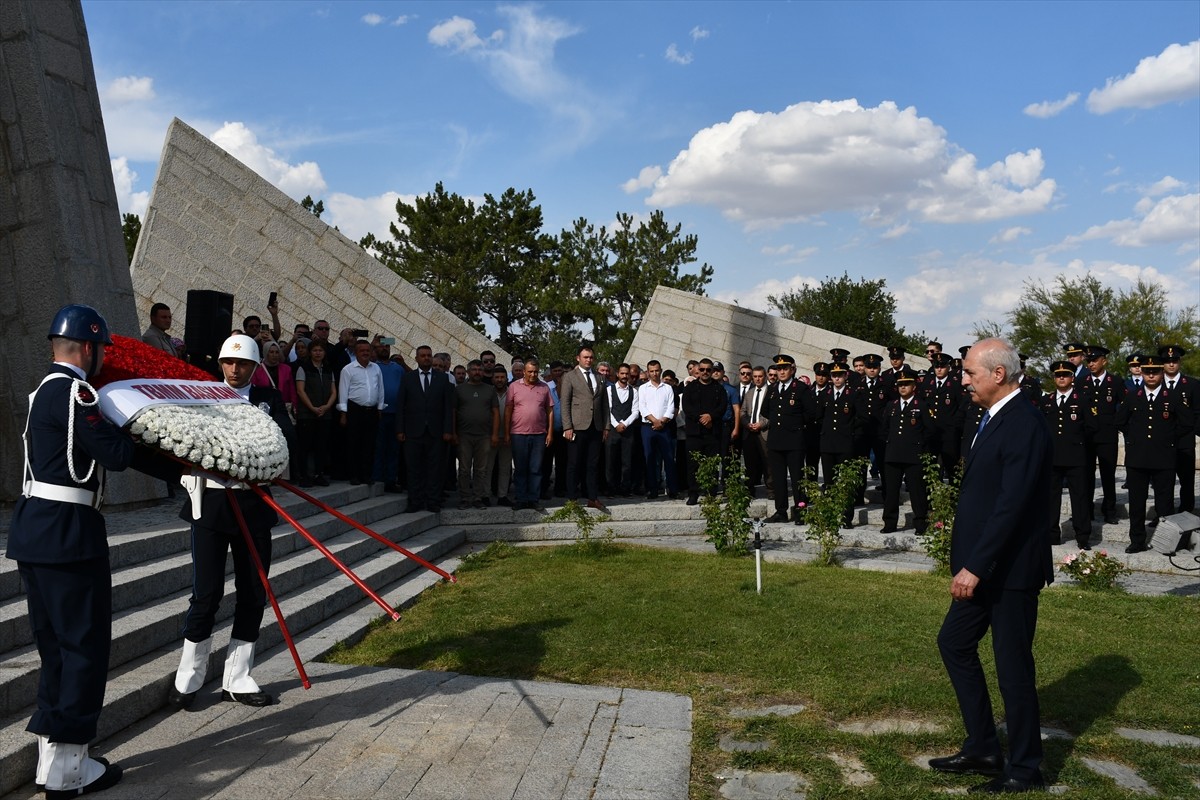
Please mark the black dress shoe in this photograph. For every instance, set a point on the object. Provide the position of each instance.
(110, 778)
(963, 764)
(256, 699)
(1002, 785)
(1136, 547)
(1082, 545)
(177, 700)
(691, 501)
(888, 529)
(673, 495)
(778, 516)
(412, 508)
(1111, 519)
(651, 495)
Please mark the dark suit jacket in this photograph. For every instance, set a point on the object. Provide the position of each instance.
(582, 408)
(1007, 502)
(1153, 431)
(789, 410)
(420, 412)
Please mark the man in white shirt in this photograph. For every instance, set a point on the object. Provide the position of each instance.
(361, 401)
(623, 433)
(656, 408)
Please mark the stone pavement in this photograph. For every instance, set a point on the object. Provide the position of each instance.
(363, 732)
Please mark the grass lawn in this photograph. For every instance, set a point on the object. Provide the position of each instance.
(850, 645)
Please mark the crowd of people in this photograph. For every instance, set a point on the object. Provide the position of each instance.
(520, 434)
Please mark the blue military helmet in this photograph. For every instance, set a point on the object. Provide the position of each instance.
(80, 322)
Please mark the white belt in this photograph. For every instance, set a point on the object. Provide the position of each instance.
(210, 483)
(63, 494)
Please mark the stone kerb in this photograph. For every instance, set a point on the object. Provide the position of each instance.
(213, 223)
(678, 326)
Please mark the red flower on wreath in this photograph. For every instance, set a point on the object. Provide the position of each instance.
(126, 359)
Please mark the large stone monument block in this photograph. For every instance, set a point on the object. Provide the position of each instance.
(60, 227)
(678, 326)
(213, 223)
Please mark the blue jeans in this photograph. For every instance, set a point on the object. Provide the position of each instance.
(660, 453)
(527, 451)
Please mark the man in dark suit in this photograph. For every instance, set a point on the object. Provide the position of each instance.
(584, 418)
(1000, 559)
(424, 426)
(59, 541)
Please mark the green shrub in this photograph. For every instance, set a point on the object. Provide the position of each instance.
(725, 524)
(827, 507)
(1096, 571)
(943, 504)
(586, 544)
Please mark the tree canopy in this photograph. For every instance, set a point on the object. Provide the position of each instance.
(1134, 320)
(861, 308)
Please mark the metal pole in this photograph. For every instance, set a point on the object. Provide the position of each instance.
(756, 525)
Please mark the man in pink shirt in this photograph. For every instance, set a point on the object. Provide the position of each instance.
(529, 429)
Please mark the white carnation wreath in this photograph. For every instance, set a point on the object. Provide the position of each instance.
(237, 439)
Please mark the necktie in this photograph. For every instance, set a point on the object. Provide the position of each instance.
(425, 381)
(1150, 397)
(837, 396)
(1062, 401)
(591, 385)
(757, 397)
(987, 415)
(1097, 382)
(1171, 384)
(903, 406)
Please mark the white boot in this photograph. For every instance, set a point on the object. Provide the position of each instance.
(236, 684)
(43, 767)
(69, 767)
(193, 665)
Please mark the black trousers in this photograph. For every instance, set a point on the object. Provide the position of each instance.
(1140, 480)
(312, 437)
(1081, 502)
(1103, 456)
(1185, 471)
(913, 476)
(708, 444)
(1012, 617)
(554, 468)
(425, 461)
(583, 464)
(754, 453)
(362, 426)
(619, 458)
(70, 612)
(785, 463)
(209, 549)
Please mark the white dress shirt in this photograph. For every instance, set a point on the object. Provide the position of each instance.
(361, 385)
(657, 401)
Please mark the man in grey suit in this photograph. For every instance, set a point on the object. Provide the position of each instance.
(584, 418)
(424, 424)
(1000, 558)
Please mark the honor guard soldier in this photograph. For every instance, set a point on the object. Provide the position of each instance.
(840, 423)
(943, 401)
(1075, 353)
(873, 399)
(812, 428)
(1072, 425)
(906, 429)
(1187, 389)
(59, 541)
(1153, 419)
(956, 366)
(215, 533)
(1029, 385)
(789, 406)
(896, 357)
(1104, 393)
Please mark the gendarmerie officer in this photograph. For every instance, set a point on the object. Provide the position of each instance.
(896, 357)
(873, 402)
(790, 405)
(59, 541)
(1103, 393)
(1153, 419)
(840, 425)
(215, 533)
(812, 427)
(906, 429)
(1187, 388)
(944, 399)
(1071, 424)
(1029, 384)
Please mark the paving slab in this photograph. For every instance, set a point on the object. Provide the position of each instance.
(768, 711)
(363, 732)
(730, 743)
(854, 772)
(747, 785)
(1125, 777)
(879, 727)
(1161, 738)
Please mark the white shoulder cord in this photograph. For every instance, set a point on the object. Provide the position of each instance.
(76, 386)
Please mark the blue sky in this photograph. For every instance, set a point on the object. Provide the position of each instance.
(955, 149)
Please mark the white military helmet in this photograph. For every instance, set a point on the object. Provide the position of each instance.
(240, 346)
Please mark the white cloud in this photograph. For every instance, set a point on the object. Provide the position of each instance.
(788, 254)
(755, 297)
(1175, 218)
(644, 180)
(1051, 108)
(373, 19)
(1010, 235)
(520, 60)
(1172, 75)
(1163, 186)
(129, 89)
(769, 168)
(295, 180)
(124, 179)
(896, 231)
(402, 20)
(358, 216)
(675, 57)
(697, 33)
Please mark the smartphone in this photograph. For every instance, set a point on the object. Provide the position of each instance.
(388, 340)
(359, 333)
(271, 300)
